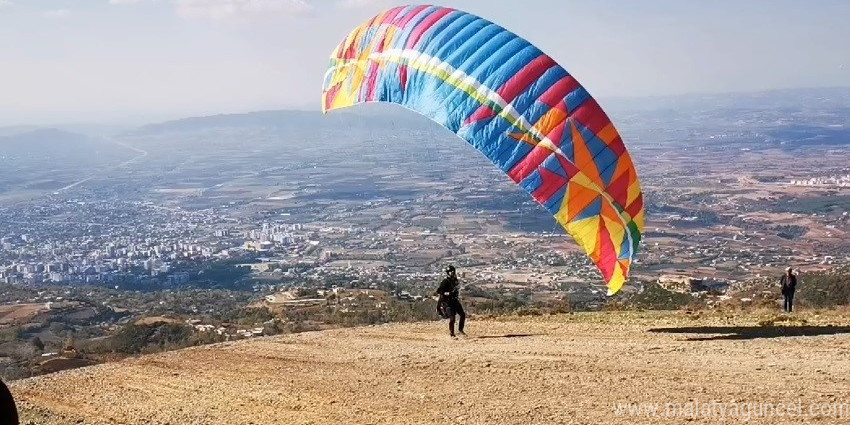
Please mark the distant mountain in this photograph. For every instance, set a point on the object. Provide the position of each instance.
(91, 130)
(830, 97)
(365, 117)
(815, 116)
(60, 145)
(17, 129)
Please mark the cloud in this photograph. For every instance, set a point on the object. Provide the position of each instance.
(57, 13)
(125, 1)
(241, 10)
(6, 3)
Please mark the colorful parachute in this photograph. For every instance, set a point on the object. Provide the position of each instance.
(511, 102)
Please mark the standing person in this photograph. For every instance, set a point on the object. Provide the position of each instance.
(8, 411)
(449, 301)
(789, 285)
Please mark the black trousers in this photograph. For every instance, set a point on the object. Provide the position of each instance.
(453, 308)
(788, 306)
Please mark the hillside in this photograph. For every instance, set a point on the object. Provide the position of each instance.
(367, 117)
(537, 370)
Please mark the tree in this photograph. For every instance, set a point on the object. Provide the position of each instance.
(56, 328)
(37, 344)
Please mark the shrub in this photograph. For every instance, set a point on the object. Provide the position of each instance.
(134, 339)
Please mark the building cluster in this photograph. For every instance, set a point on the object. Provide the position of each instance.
(273, 236)
(106, 244)
(137, 243)
(74, 262)
(832, 181)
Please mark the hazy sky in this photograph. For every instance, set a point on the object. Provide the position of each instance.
(134, 60)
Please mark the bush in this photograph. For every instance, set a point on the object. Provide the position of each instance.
(19, 351)
(37, 344)
(501, 305)
(824, 290)
(10, 334)
(203, 338)
(654, 297)
(135, 339)
(248, 316)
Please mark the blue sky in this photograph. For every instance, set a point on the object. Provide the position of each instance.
(137, 60)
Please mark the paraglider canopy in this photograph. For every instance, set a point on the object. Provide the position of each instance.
(514, 104)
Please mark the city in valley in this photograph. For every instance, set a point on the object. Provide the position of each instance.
(233, 226)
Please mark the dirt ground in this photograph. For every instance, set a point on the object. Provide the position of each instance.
(19, 313)
(564, 369)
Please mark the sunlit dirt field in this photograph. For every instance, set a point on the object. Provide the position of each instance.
(564, 369)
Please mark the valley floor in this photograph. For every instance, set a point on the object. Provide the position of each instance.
(584, 368)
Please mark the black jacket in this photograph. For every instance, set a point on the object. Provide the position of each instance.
(448, 289)
(789, 284)
(8, 411)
